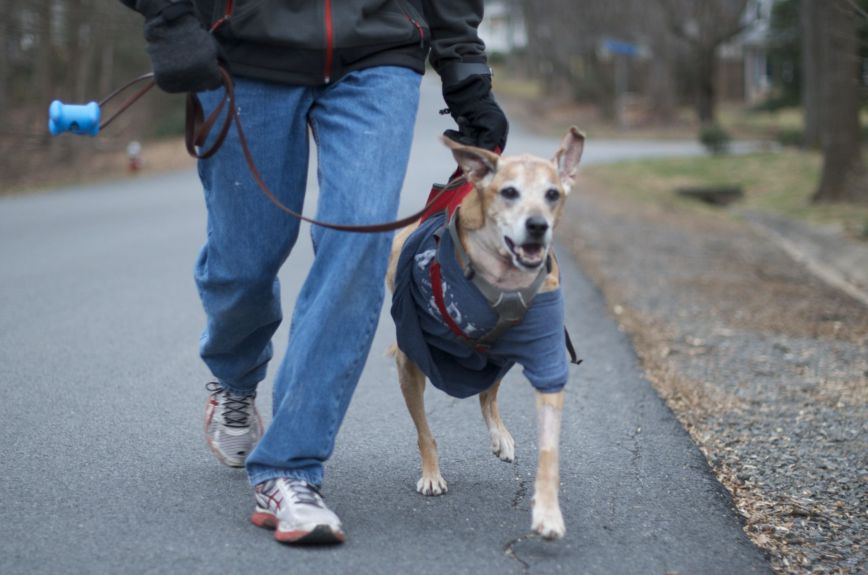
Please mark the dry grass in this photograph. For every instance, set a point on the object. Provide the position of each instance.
(780, 182)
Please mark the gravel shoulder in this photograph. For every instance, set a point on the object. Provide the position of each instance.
(762, 362)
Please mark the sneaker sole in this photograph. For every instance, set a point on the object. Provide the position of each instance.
(319, 535)
(222, 458)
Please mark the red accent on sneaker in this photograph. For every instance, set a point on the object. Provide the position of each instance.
(277, 502)
(262, 519)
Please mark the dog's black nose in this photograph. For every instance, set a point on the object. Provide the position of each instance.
(536, 227)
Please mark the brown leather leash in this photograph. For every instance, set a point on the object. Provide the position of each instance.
(129, 101)
(197, 129)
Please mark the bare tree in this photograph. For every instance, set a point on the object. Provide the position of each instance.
(811, 70)
(44, 71)
(704, 25)
(844, 177)
(5, 48)
(564, 40)
(651, 27)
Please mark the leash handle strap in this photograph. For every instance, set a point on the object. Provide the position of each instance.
(129, 101)
(196, 133)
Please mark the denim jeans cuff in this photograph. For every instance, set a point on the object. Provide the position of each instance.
(312, 477)
(237, 390)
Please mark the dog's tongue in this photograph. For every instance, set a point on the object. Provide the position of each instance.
(530, 253)
(532, 250)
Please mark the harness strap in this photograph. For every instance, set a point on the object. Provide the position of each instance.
(574, 359)
(511, 305)
(437, 288)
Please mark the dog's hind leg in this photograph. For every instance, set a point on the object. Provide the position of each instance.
(413, 387)
(502, 443)
(546, 516)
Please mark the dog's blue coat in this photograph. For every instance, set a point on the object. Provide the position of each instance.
(537, 343)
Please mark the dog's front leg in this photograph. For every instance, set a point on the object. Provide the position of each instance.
(547, 518)
(413, 387)
(502, 443)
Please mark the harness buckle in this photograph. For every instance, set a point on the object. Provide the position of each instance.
(510, 307)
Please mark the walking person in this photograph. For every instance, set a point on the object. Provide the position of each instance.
(348, 73)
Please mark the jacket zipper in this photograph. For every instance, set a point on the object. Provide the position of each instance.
(421, 32)
(329, 53)
(415, 23)
(227, 14)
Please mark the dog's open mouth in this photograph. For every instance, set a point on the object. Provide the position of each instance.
(529, 255)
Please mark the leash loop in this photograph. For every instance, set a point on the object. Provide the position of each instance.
(196, 134)
(129, 101)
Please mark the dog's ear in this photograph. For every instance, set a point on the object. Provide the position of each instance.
(472, 211)
(567, 157)
(477, 164)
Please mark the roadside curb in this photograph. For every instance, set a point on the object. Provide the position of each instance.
(839, 261)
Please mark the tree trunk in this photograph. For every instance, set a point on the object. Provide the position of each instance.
(843, 177)
(44, 77)
(706, 83)
(5, 41)
(78, 49)
(662, 81)
(811, 71)
(106, 67)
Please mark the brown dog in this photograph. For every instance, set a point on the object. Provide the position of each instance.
(505, 230)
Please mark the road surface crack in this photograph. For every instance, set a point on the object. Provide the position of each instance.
(517, 499)
(521, 490)
(509, 550)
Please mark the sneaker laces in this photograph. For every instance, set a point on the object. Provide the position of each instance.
(304, 493)
(236, 408)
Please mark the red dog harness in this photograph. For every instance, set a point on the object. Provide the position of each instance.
(510, 306)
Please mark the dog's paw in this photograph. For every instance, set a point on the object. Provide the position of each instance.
(503, 445)
(548, 522)
(435, 485)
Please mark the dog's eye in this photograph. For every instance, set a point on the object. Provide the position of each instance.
(509, 193)
(553, 195)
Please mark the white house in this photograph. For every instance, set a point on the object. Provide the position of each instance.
(503, 29)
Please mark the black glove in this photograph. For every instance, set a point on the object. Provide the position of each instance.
(480, 120)
(183, 54)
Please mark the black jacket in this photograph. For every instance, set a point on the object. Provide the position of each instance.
(312, 42)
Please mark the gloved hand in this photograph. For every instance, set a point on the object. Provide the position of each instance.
(183, 54)
(480, 120)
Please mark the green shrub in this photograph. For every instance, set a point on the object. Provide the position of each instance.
(714, 138)
(777, 103)
(791, 137)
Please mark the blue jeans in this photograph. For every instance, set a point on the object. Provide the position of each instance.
(363, 128)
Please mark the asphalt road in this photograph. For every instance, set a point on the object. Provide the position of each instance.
(105, 470)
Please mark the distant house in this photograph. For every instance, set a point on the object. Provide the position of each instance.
(503, 28)
(744, 69)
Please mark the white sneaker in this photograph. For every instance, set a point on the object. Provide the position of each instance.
(232, 425)
(296, 511)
